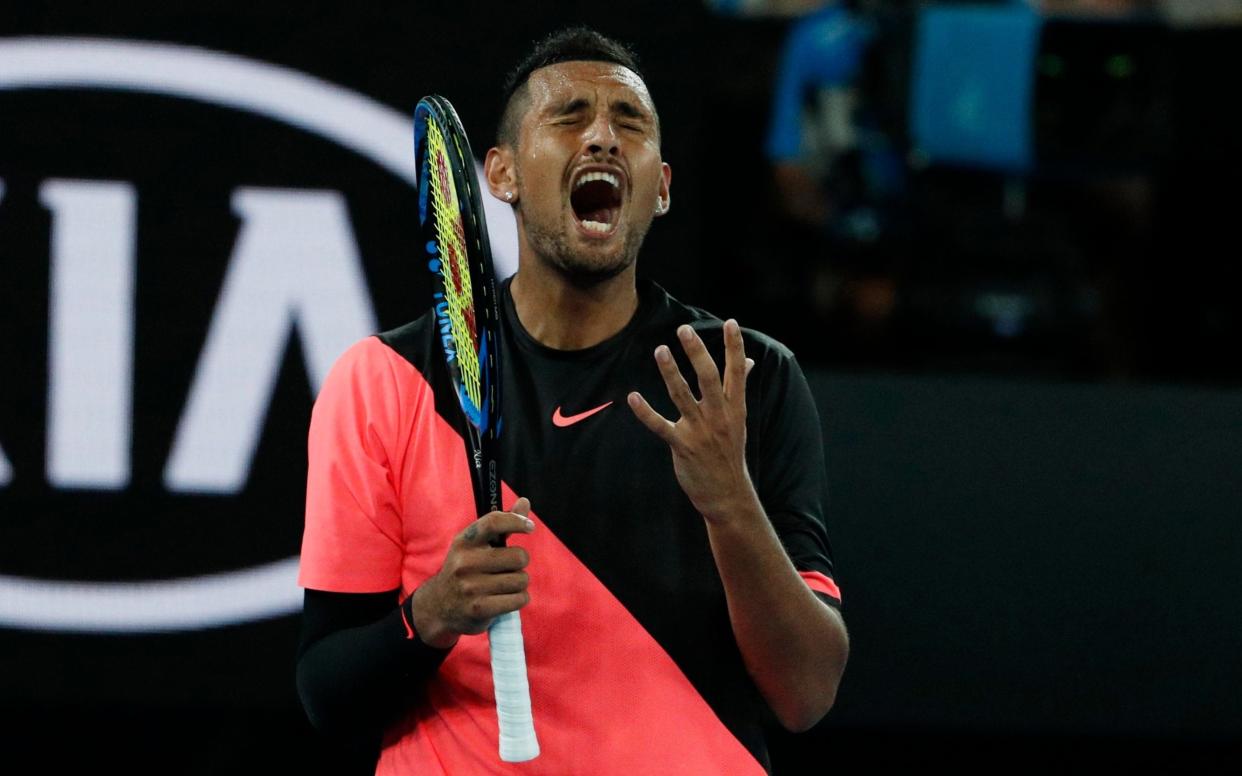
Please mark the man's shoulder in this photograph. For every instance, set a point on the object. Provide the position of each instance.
(374, 359)
(414, 341)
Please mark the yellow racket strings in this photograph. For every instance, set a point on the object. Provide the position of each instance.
(454, 264)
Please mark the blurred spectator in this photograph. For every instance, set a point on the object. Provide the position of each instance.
(835, 173)
(812, 127)
(955, 256)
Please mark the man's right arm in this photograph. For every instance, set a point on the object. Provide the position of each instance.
(358, 667)
(362, 660)
(355, 662)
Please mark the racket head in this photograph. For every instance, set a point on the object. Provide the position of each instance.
(457, 252)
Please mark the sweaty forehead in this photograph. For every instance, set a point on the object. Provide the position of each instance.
(571, 80)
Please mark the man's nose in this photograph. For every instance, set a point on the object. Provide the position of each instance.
(601, 137)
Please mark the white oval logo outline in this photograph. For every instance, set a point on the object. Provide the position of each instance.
(319, 107)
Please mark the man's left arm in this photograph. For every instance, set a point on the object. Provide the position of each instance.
(794, 645)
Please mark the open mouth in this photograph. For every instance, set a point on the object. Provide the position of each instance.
(596, 200)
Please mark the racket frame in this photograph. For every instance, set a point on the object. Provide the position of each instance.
(517, 740)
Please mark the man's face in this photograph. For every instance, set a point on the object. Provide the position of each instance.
(588, 171)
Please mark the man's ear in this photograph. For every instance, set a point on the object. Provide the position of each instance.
(663, 196)
(501, 178)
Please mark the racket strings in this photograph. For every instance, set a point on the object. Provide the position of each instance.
(454, 265)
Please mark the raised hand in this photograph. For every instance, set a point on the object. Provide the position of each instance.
(709, 440)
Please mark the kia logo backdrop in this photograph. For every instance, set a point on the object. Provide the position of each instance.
(199, 210)
(294, 271)
(190, 238)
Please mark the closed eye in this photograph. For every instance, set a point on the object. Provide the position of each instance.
(632, 117)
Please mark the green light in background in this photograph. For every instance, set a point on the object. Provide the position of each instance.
(1119, 66)
(1051, 66)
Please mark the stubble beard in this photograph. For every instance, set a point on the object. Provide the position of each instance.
(552, 247)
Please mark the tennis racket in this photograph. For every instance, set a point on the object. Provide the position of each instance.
(455, 243)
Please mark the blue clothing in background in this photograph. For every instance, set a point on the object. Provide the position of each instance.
(823, 50)
(973, 85)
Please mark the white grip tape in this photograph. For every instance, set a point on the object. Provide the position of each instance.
(517, 726)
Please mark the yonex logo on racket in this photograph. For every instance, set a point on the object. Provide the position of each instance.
(493, 484)
(442, 318)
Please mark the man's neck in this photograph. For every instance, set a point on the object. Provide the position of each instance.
(563, 316)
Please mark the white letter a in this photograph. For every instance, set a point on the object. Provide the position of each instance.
(295, 263)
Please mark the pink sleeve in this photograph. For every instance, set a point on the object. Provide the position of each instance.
(352, 542)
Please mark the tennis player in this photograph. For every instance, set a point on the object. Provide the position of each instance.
(668, 553)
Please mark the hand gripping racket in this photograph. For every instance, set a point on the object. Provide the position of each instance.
(454, 235)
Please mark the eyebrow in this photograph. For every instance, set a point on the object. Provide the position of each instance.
(630, 110)
(567, 106)
(622, 107)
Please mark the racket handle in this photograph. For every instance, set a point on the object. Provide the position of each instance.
(517, 726)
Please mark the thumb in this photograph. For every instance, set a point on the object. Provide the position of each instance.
(521, 507)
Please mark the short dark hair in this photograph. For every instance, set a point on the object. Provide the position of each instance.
(572, 44)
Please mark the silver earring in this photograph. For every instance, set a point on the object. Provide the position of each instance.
(509, 195)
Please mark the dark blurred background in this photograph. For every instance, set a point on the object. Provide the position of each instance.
(999, 237)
